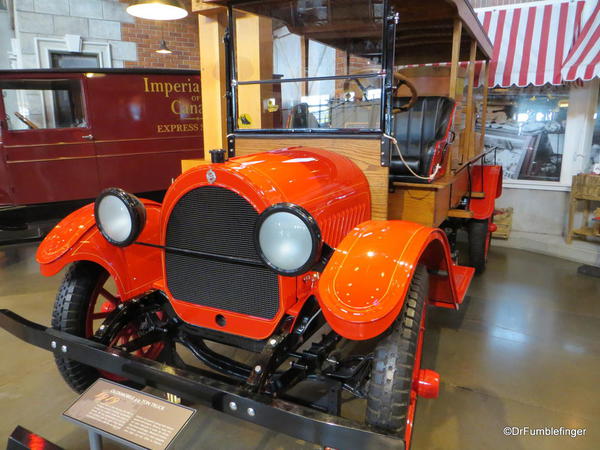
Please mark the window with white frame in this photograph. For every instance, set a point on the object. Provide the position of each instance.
(74, 60)
(542, 136)
(525, 128)
(49, 51)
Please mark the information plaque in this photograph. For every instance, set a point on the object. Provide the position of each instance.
(129, 415)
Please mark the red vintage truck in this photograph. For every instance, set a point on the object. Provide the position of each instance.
(312, 248)
(67, 134)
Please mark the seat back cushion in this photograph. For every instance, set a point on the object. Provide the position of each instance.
(417, 131)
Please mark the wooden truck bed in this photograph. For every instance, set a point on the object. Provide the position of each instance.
(429, 204)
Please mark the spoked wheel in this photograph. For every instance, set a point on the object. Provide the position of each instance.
(480, 237)
(85, 300)
(392, 392)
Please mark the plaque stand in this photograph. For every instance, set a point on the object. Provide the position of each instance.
(95, 436)
(135, 419)
(95, 440)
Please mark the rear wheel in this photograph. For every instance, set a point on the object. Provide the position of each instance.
(85, 299)
(479, 243)
(392, 392)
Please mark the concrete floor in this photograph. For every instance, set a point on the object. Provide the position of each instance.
(524, 350)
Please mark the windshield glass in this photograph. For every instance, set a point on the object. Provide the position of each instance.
(309, 65)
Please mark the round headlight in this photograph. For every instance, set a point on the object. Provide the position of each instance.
(288, 239)
(120, 216)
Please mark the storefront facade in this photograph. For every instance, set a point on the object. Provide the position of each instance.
(543, 115)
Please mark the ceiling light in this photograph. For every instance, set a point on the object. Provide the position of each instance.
(157, 9)
(163, 49)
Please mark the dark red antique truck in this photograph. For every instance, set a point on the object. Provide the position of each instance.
(65, 135)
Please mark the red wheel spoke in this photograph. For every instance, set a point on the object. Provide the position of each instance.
(110, 297)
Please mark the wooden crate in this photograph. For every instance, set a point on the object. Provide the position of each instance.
(591, 229)
(586, 186)
(503, 220)
(585, 189)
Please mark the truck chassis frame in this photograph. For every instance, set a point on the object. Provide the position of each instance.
(255, 394)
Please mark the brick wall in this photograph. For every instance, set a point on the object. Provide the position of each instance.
(181, 37)
(487, 3)
(341, 61)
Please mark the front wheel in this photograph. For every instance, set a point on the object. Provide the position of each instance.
(392, 392)
(85, 299)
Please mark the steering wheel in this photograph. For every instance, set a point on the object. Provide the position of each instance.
(363, 90)
(400, 80)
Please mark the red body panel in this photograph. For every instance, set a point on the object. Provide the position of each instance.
(486, 179)
(135, 269)
(362, 289)
(329, 186)
(442, 152)
(141, 128)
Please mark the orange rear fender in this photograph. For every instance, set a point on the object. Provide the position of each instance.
(77, 238)
(486, 179)
(362, 289)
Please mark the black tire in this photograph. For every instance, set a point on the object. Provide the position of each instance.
(388, 394)
(479, 237)
(70, 315)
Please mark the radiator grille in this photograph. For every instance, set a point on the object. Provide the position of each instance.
(216, 220)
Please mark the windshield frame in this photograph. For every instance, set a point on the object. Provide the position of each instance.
(385, 74)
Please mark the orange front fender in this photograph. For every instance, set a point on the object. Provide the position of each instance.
(362, 289)
(77, 238)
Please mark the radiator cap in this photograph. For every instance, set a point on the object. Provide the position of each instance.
(217, 156)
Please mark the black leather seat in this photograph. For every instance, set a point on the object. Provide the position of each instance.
(422, 134)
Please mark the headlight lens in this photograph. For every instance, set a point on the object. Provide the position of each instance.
(120, 216)
(288, 239)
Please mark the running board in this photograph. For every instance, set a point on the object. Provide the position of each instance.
(439, 293)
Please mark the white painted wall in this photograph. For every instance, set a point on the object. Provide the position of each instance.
(536, 211)
(45, 25)
(6, 34)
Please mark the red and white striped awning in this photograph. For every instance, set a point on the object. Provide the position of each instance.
(531, 42)
(583, 62)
